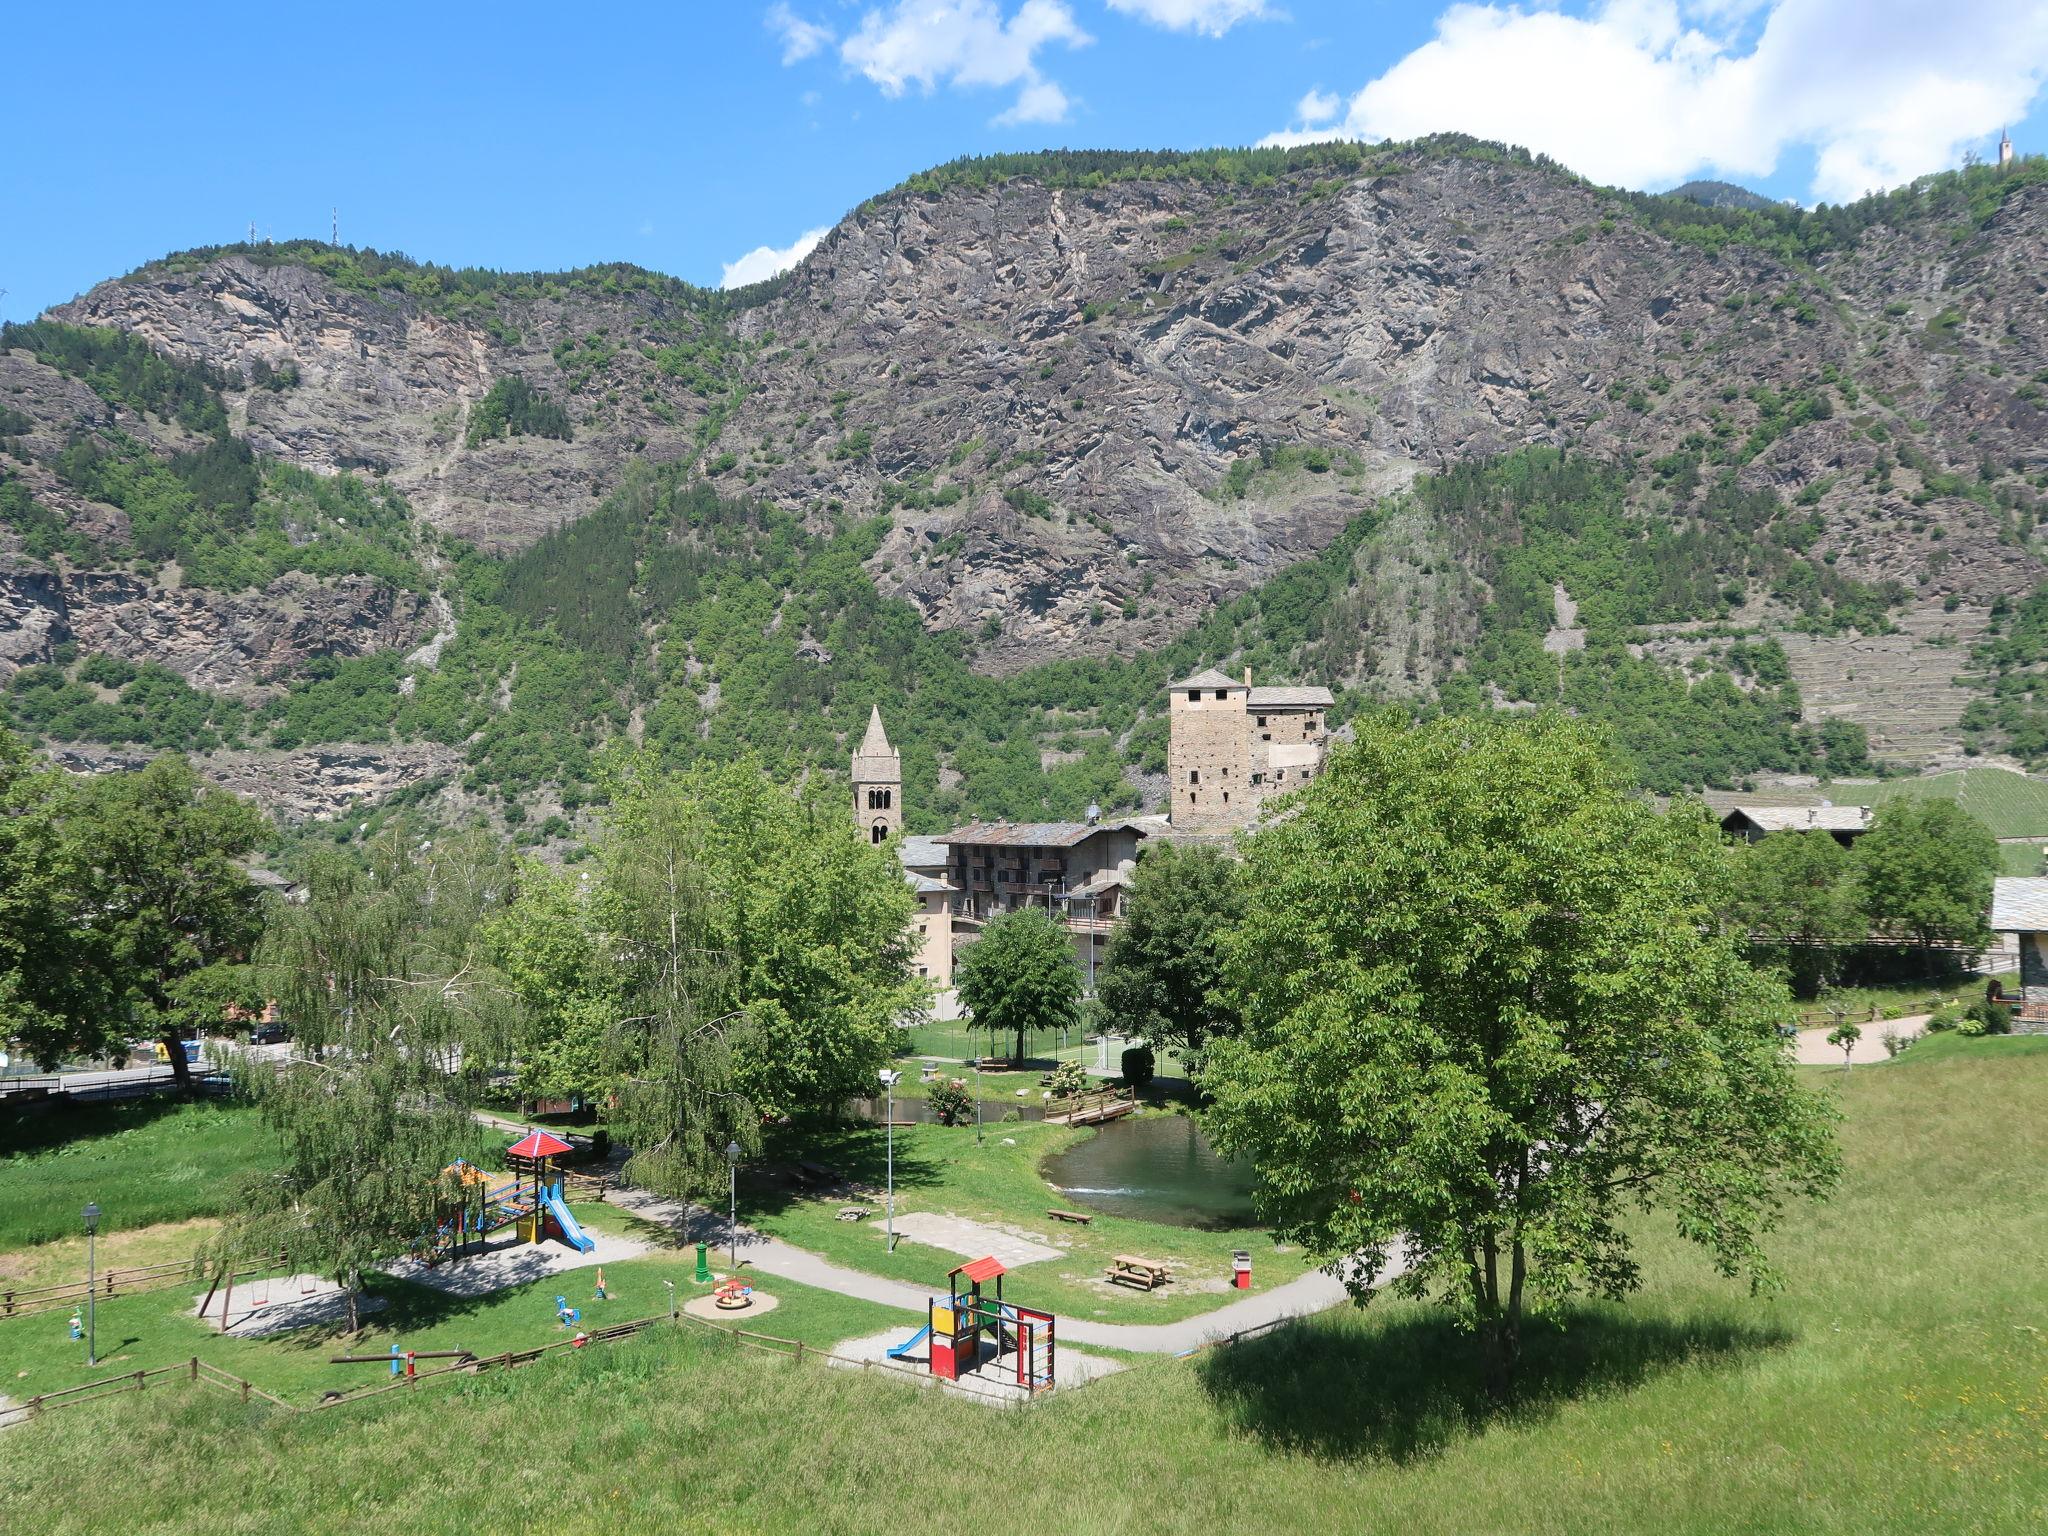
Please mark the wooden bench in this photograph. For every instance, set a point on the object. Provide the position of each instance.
(1146, 1274)
(1081, 1217)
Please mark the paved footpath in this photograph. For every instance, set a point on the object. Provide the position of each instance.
(1812, 1048)
(766, 1255)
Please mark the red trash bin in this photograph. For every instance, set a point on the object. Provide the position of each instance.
(1241, 1269)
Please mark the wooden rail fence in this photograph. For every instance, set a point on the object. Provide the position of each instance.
(109, 1283)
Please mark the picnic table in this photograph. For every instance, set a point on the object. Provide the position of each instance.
(1146, 1274)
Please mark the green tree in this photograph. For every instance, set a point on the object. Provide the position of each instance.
(1487, 1009)
(54, 1000)
(762, 959)
(1162, 978)
(1798, 899)
(545, 944)
(166, 889)
(1019, 978)
(1925, 868)
(398, 1018)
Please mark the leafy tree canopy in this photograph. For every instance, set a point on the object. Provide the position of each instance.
(1019, 978)
(1162, 978)
(1488, 1011)
(1926, 868)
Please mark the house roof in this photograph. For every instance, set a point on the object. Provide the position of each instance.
(921, 852)
(1208, 677)
(1291, 698)
(537, 1143)
(1802, 818)
(925, 885)
(1035, 834)
(2019, 904)
(1104, 880)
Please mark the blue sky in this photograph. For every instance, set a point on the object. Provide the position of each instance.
(686, 136)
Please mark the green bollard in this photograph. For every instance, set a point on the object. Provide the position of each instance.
(703, 1264)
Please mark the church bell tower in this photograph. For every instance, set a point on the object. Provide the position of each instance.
(877, 783)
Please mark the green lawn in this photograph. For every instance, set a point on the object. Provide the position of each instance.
(156, 1327)
(940, 1169)
(147, 1161)
(1898, 1383)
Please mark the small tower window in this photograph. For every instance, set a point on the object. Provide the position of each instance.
(1194, 775)
(1222, 694)
(1194, 695)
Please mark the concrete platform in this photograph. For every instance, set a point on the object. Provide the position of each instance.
(514, 1263)
(259, 1308)
(993, 1382)
(707, 1307)
(969, 1239)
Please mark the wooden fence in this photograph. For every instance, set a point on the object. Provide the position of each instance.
(197, 1372)
(109, 1283)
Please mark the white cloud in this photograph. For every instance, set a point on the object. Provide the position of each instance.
(764, 261)
(1211, 18)
(800, 38)
(1644, 93)
(967, 43)
(1318, 107)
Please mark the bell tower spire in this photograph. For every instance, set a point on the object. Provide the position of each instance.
(877, 783)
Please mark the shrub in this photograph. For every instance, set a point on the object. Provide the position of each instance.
(1139, 1065)
(1068, 1079)
(1947, 1016)
(949, 1099)
(1991, 1018)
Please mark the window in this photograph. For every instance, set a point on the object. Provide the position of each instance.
(880, 833)
(1265, 735)
(1226, 797)
(1194, 775)
(1262, 725)
(1194, 695)
(1222, 693)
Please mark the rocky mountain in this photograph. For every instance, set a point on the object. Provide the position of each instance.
(1099, 396)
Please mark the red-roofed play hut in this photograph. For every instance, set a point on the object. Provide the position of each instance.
(957, 1328)
(534, 1155)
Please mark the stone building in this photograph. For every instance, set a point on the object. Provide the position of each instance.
(1076, 870)
(1753, 823)
(1231, 747)
(877, 783)
(2019, 906)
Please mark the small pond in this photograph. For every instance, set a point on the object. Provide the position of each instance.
(1155, 1168)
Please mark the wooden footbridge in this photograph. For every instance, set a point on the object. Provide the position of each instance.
(1095, 1108)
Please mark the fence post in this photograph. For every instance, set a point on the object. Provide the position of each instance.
(245, 1391)
(195, 1367)
(799, 1349)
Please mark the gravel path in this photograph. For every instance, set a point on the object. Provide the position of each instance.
(1812, 1048)
(771, 1256)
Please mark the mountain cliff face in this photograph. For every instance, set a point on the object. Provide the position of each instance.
(1095, 411)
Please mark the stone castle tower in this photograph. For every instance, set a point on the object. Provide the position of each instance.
(2004, 146)
(877, 783)
(1208, 757)
(1231, 747)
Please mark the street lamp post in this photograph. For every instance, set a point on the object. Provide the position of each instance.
(732, 1202)
(977, 1103)
(888, 1077)
(92, 1227)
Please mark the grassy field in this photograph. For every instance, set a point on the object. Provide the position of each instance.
(940, 1169)
(145, 1162)
(1899, 1383)
(2010, 804)
(2021, 858)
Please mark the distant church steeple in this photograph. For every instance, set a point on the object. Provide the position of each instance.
(877, 782)
(2004, 146)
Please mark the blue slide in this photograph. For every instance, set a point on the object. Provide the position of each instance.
(910, 1343)
(572, 1233)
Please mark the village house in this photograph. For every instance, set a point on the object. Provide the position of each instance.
(1753, 823)
(1231, 747)
(1078, 871)
(2019, 906)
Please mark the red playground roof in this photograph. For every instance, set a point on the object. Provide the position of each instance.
(538, 1143)
(979, 1270)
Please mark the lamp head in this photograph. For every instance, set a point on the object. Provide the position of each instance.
(92, 1217)
(889, 1077)
(732, 1152)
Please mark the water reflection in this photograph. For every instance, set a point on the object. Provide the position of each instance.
(1156, 1168)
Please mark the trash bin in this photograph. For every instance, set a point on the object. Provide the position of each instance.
(1241, 1269)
